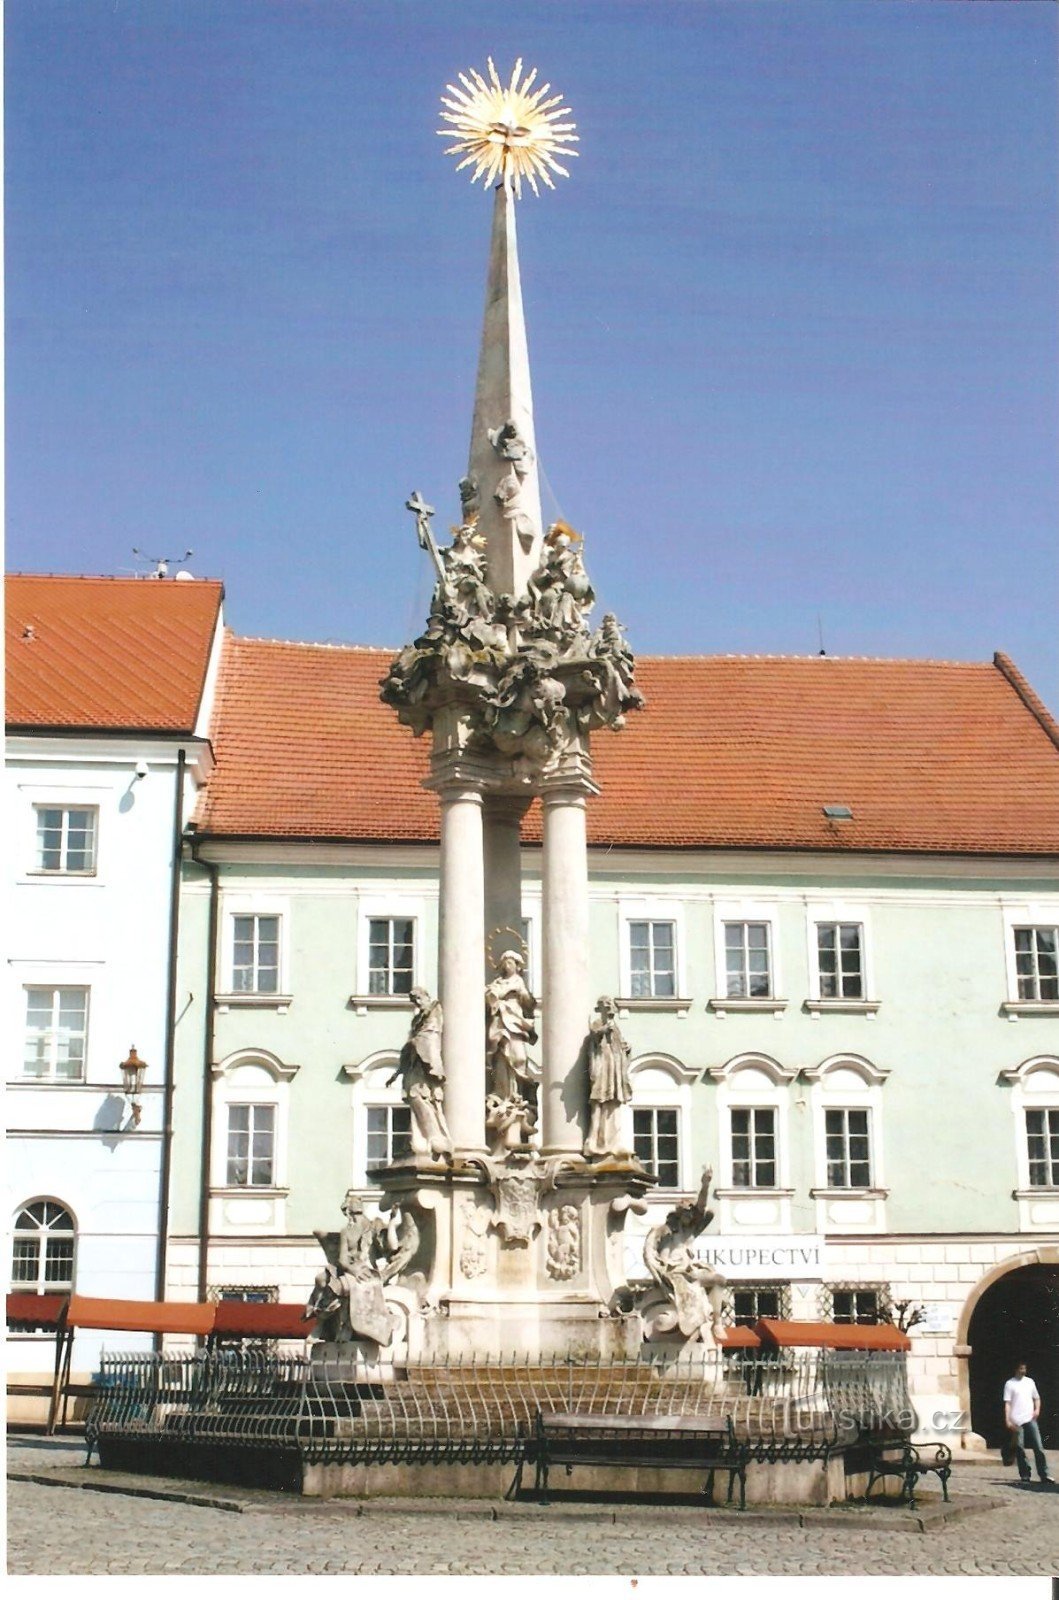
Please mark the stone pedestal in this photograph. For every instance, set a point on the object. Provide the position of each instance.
(522, 1255)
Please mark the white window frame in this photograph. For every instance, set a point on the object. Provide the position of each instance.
(1050, 1114)
(41, 1285)
(745, 911)
(756, 1125)
(758, 1082)
(252, 905)
(1034, 1087)
(56, 986)
(390, 1110)
(846, 1134)
(253, 1108)
(654, 1162)
(250, 1077)
(848, 1082)
(34, 797)
(1026, 914)
(64, 808)
(818, 912)
(652, 909)
(1037, 978)
(390, 907)
(371, 1086)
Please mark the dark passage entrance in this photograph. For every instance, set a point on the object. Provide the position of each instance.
(1016, 1318)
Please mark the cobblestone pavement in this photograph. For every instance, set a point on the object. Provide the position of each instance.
(117, 1533)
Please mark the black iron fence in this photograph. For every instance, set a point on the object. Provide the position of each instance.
(785, 1406)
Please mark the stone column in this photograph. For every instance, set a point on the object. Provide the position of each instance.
(503, 876)
(461, 962)
(566, 1005)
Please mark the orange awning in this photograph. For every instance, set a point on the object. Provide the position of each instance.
(260, 1319)
(141, 1316)
(831, 1335)
(43, 1310)
(739, 1338)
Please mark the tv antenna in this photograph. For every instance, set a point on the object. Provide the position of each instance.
(162, 564)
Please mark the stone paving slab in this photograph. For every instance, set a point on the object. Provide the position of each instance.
(284, 1534)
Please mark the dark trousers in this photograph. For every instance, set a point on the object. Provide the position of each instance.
(1030, 1434)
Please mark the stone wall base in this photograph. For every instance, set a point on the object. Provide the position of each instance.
(813, 1483)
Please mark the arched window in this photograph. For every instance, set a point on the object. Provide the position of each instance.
(42, 1258)
(849, 1185)
(661, 1119)
(382, 1122)
(754, 1184)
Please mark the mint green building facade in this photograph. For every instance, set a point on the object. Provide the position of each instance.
(894, 1142)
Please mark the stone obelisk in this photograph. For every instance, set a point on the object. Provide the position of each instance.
(509, 680)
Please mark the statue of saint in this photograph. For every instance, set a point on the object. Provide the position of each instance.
(422, 1078)
(608, 1078)
(509, 1011)
(347, 1297)
(692, 1288)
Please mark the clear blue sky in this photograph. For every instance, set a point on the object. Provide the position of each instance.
(793, 319)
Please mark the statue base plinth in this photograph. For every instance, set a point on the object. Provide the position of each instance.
(519, 1253)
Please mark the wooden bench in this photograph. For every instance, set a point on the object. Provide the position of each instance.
(899, 1458)
(574, 1439)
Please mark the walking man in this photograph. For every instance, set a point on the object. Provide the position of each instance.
(1022, 1407)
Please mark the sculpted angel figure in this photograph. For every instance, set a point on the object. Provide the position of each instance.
(423, 1077)
(609, 1087)
(692, 1288)
(509, 1011)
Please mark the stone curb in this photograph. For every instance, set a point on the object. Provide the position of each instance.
(925, 1519)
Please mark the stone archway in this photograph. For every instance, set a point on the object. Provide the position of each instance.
(1013, 1314)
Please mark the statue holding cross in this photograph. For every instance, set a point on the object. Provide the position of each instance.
(423, 513)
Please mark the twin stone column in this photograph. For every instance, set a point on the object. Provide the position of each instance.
(480, 891)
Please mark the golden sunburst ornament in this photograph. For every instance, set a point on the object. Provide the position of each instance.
(507, 133)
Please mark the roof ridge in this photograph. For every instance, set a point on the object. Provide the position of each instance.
(114, 577)
(316, 644)
(641, 655)
(1027, 694)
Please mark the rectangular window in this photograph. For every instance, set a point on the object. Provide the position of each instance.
(652, 963)
(389, 1135)
(56, 1034)
(752, 1301)
(855, 1305)
(840, 960)
(754, 1147)
(1042, 1140)
(848, 1139)
(391, 955)
(656, 1141)
(251, 1146)
(748, 970)
(1037, 963)
(255, 954)
(66, 839)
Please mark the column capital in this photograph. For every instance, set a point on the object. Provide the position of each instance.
(451, 789)
(567, 790)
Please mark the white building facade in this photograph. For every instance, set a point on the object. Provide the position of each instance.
(110, 691)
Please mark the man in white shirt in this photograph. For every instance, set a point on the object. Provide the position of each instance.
(1022, 1407)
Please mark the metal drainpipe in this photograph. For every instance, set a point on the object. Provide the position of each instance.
(170, 1031)
(213, 871)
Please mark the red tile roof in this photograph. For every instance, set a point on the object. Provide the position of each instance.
(108, 653)
(731, 751)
